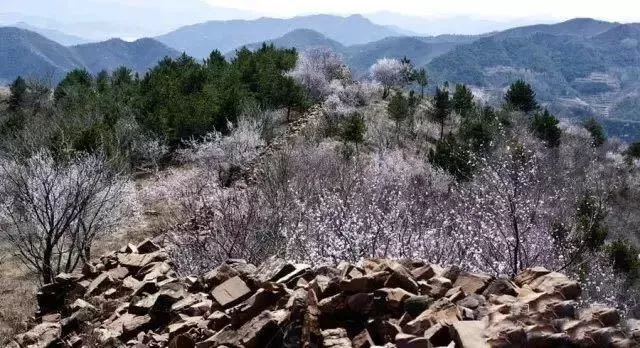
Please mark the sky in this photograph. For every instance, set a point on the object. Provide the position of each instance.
(614, 10)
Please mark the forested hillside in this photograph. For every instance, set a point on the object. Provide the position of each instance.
(31, 55)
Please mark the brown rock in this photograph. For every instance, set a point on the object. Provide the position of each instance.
(469, 334)
(133, 324)
(367, 283)
(360, 303)
(257, 333)
(404, 340)
(501, 286)
(218, 320)
(393, 299)
(138, 261)
(219, 275)
(443, 312)
(230, 292)
(254, 305)
(333, 304)
(147, 247)
(606, 316)
(438, 335)
(553, 282)
(336, 338)
(400, 278)
(182, 341)
(100, 284)
(529, 275)
(472, 283)
(41, 336)
(363, 340)
(423, 273)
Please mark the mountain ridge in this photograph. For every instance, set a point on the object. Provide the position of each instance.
(31, 55)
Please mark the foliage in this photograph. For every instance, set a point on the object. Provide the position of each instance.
(624, 257)
(398, 108)
(421, 78)
(453, 157)
(354, 129)
(442, 103)
(597, 132)
(545, 126)
(18, 91)
(521, 96)
(462, 100)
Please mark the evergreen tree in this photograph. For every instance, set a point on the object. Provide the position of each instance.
(521, 96)
(421, 78)
(545, 127)
(398, 108)
(463, 100)
(18, 93)
(442, 108)
(594, 128)
(354, 129)
(453, 157)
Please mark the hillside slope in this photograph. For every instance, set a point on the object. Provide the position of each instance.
(574, 75)
(31, 55)
(200, 39)
(139, 55)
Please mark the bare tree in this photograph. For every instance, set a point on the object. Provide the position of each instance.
(52, 211)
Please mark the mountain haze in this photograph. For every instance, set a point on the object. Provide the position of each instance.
(200, 39)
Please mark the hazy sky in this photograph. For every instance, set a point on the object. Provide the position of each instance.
(618, 10)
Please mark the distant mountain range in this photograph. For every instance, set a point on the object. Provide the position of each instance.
(200, 39)
(29, 54)
(579, 68)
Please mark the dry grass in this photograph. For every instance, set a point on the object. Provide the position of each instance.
(17, 296)
(18, 285)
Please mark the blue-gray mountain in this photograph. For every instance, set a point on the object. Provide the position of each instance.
(28, 54)
(198, 40)
(578, 68)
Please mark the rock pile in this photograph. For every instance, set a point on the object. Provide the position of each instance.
(133, 298)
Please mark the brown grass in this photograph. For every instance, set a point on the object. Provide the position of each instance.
(18, 286)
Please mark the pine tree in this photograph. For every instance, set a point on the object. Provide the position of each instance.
(521, 96)
(463, 100)
(18, 93)
(398, 108)
(443, 108)
(545, 127)
(421, 78)
(594, 128)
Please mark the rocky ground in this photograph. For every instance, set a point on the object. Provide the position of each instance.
(133, 298)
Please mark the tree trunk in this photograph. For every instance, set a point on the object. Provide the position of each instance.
(47, 270)
(441, 129)
(289, 114)
(422, 92)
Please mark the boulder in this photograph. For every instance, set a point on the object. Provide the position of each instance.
(219, 275)
(529, 275)
(555, 281)
(400, 278)
(404, 340)
(100, 284)
(469, 334)
(230, 292)
(41, 336)
(501, 286)
(137, 261)
(472, 283)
